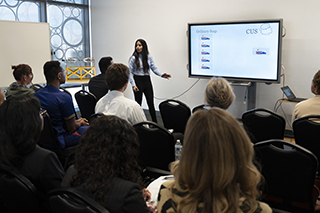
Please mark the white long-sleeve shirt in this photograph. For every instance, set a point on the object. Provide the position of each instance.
(134, 71)
(114, 103)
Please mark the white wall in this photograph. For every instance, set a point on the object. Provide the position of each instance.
(17, 43)
(163, 24)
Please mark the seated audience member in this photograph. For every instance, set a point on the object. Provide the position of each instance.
(106, 166)
(20, 127)
(23, 75)
(312, 105)
(2, 96)
(215, 172)
(219, 93)
(114, 102)
(60, 107)
(98, 84)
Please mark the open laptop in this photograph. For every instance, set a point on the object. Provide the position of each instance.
(291, 97)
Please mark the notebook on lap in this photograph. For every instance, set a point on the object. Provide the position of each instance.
(290, 95)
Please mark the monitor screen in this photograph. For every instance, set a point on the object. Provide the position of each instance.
(248, 51)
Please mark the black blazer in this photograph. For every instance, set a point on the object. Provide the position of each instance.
(43, 168)
(98, 85)
(122, 195)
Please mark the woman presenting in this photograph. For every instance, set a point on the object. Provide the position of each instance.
(140, 64)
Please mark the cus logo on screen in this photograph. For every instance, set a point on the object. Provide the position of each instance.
(252, 31)
(265, 29)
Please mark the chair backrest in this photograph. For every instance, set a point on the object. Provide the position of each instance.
(48, 140)
(73, 200)
(199, 107)
(86, 102)
(174, 114)
(18, 193)
(94, 116)
(156, 145)
(306, 133)
(262, 124)
(48, 137)
(289, 175)
(37, 87)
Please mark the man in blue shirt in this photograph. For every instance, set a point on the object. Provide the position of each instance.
(59, 106)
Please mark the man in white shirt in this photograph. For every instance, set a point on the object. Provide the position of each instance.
(114, 102)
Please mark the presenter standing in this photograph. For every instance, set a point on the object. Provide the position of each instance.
(140, 64)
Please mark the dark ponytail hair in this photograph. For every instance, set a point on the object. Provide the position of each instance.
(20, 70)
(144, 53)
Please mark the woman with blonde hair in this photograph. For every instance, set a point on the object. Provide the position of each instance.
(215, 172)
(219, 93)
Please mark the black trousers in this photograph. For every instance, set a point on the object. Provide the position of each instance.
(145, 87)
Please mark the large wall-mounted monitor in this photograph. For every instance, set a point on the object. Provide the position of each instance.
(245, 51)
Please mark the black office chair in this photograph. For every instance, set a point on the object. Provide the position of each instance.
(262, 124)
(174, 114)
(37, 87)
(48, 140)
(156, 148)
(73, 200)
(86, 102)
(94, 116)
(306, 133)
(199, 107)
(19, 194)
(289, 175)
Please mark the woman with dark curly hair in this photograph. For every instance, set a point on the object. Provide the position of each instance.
(106, 165)
(20, 127)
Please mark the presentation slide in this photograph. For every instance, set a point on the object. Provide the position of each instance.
(246, 50)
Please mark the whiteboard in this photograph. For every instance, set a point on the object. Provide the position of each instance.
(23, 43)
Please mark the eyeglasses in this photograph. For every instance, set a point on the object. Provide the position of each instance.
(42, 112)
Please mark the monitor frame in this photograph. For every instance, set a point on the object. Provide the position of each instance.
(237, 78)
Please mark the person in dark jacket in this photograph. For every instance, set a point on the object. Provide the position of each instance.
(98, 84)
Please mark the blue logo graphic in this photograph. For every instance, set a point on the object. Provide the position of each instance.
(205, 60)
(205, 45)
(205, 38)
(260, 52)
(205, 53)
(205, 67)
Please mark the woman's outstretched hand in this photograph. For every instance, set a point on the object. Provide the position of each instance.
(166, 75)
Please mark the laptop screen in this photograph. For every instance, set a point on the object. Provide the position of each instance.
(287, 91)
